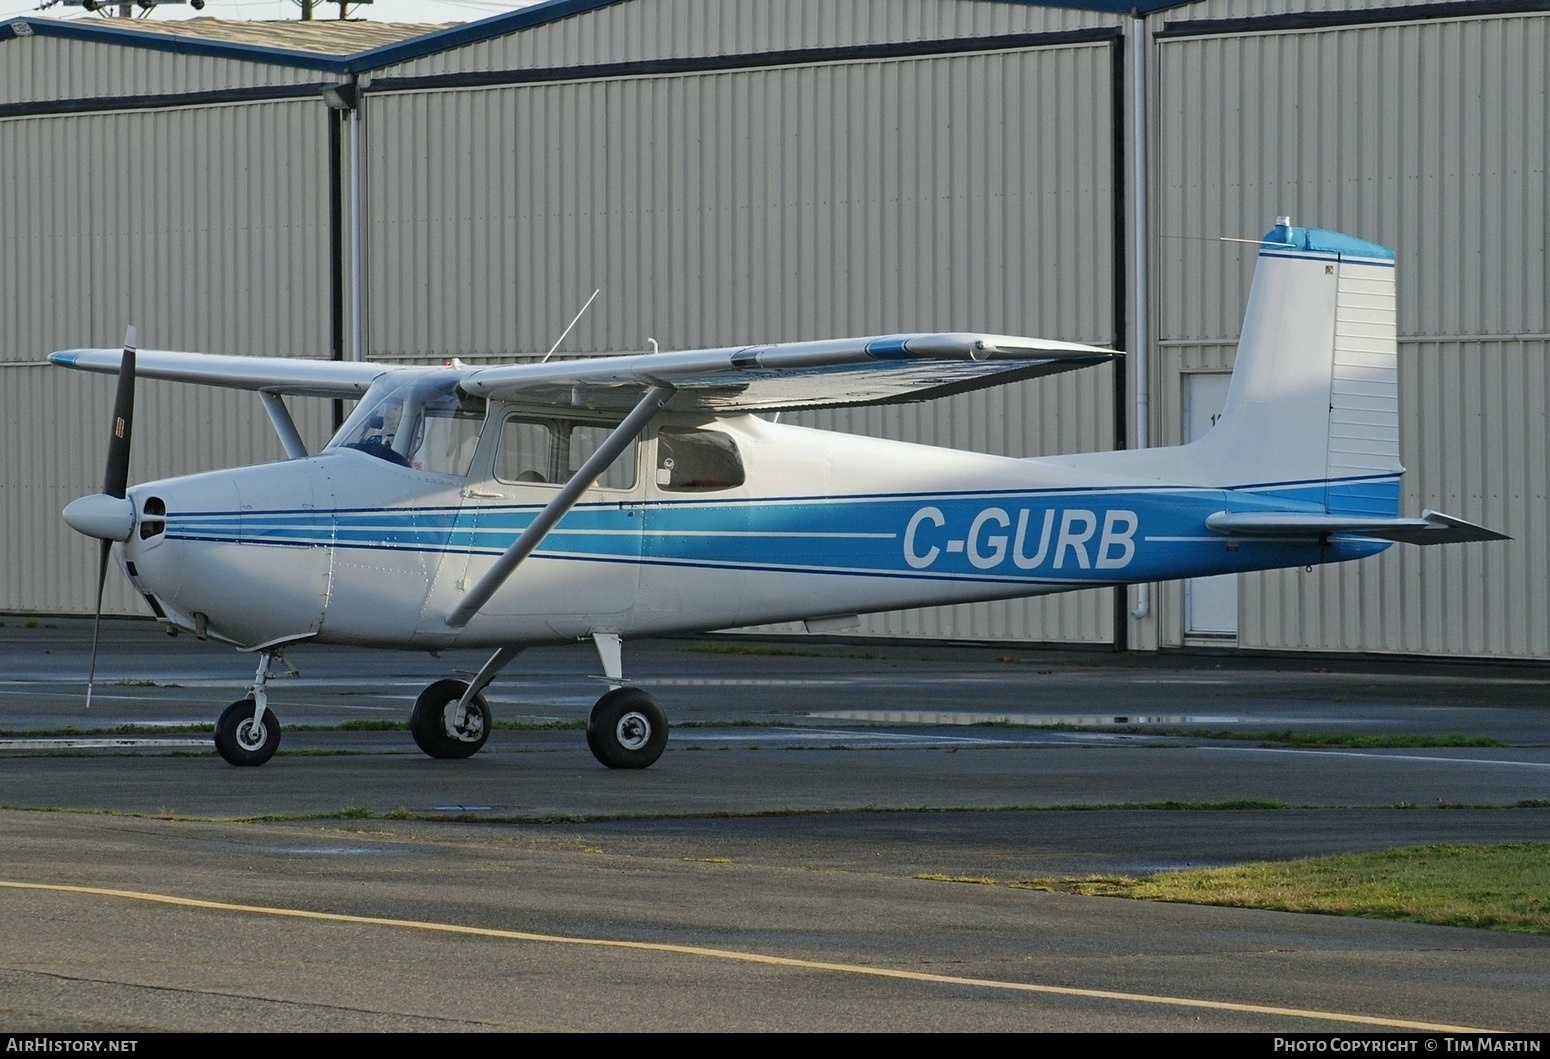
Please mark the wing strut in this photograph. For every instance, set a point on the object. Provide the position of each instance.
(632, 427)
(284, 425)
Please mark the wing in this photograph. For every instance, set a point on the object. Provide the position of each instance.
(277, 375)
(824, 374)
(1433, 527)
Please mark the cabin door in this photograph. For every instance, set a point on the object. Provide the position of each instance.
(587, 569)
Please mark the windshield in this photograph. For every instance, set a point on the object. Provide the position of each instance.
(416, 419)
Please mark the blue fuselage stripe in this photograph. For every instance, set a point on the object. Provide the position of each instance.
(1037, 537)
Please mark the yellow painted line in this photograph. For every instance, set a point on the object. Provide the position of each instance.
(749, 957)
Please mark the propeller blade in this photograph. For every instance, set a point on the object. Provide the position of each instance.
(96, 625)
(115, 482)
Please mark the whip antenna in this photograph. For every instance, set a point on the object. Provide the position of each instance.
(573, 323)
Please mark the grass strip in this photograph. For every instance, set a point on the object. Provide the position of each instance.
(1500, 887)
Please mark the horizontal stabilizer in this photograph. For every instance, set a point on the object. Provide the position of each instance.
(1432, 527)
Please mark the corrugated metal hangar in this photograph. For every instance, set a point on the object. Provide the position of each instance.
(764, 170)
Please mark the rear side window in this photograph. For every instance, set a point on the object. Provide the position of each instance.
(697, 461)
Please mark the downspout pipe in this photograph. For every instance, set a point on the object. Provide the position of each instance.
(357, 251)
(1140, 225)
(345, 98)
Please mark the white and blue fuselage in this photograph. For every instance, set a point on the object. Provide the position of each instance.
(356, 550)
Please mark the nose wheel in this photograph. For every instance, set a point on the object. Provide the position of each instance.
(627, 729)
(243, 736)
(247, 732)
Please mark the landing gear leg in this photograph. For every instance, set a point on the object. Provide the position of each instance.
(450, 718)
(247, 733)
(627, 728)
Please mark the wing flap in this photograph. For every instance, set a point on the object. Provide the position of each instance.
(1433, 527)
(279, 375)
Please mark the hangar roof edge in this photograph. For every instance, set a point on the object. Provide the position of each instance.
(320, 45)
(554, 10)
(360, 47)
(367, 46)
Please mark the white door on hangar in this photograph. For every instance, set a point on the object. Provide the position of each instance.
(1210, 603)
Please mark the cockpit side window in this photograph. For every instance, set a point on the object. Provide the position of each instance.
(419, 420)
(448, 439)
(697, 461)
(539, 450)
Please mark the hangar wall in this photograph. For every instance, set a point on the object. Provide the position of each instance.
(1429, 137)
(50, 70)
(131, 196)
(798, 168)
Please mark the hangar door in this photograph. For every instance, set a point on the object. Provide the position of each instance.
(200, 224)
(1425, 136)
(965, 190)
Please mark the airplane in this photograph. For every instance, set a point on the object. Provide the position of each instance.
(620, 496)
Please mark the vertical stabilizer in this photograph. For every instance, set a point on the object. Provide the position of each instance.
(1313, 408)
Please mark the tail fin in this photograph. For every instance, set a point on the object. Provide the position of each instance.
(1312, 411)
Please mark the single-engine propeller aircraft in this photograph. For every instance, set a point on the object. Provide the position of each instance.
(622, 496)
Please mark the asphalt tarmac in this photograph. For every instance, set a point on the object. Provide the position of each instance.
(830, 842)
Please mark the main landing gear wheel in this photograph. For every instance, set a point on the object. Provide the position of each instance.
(435, 728)
(627, 729)
(242, 742)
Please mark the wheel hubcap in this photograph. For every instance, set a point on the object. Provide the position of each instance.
(633, 731)
(251, 736)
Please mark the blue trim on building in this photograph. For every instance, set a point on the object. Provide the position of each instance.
(1369, 16)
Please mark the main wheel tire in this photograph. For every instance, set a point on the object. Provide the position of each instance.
(428, 721)
(627, 729)
(240, 741)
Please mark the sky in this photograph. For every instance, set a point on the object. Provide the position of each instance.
(276, 10)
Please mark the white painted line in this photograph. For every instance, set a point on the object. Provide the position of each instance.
(1026, 720)
(121, 743)
(1376, 754)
